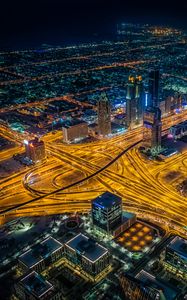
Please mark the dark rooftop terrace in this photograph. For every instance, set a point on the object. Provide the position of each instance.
(107, 200)
(35, 284)
(87, 247)
(39, 252)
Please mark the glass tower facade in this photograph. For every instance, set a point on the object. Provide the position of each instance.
(107, 211)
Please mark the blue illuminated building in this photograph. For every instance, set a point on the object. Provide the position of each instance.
(146, 97)
(107, 211)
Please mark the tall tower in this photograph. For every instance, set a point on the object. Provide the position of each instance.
(154, 78)
(134, 105)
(104, 115)
(152, 127)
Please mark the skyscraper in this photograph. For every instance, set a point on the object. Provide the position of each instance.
(154, 77)
(152, 127)
(134, 105)
(104, 115)
(35, 150)
(107, 211)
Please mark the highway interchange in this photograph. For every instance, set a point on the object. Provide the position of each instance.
(72, 175)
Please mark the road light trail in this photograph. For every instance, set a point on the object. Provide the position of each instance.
(69, 186)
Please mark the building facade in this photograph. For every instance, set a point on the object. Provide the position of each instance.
(41, 255)
(107, 212)
(168, 104)
(134, 289)
(104, 115)
(152, 127)
(128, 219)
(179, 130)
(33, 286)
(88, 254)
(75, 131)
(35, 150)
(176, 257)
(154, 78)
(134, 102)
(162, 106)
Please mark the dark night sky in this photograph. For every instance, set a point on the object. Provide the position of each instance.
(33, 22)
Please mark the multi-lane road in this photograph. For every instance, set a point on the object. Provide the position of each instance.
(72, 175)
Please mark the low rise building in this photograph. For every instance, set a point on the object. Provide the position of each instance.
(41, 255)
(176, 257)
(88, 254)
(145, 286)
(75, 131)
(33, 287)
(128, 219)
(35, 150)
(179, 130)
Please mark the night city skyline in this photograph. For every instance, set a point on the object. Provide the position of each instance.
(93, 150)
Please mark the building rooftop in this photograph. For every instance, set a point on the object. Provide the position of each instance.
(120, 116)
(87, 247)
(127, 215)
(103, 97)
(117, 127)
(93, 125)
(35, 284)
(73, 123)
(151, 281)
(179, 245)
(39, 252)
(107, 200)
(169, 152)
(35, 142)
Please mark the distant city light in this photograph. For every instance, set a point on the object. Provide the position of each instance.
(177, 111)
(170, 136)
(146, 99)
